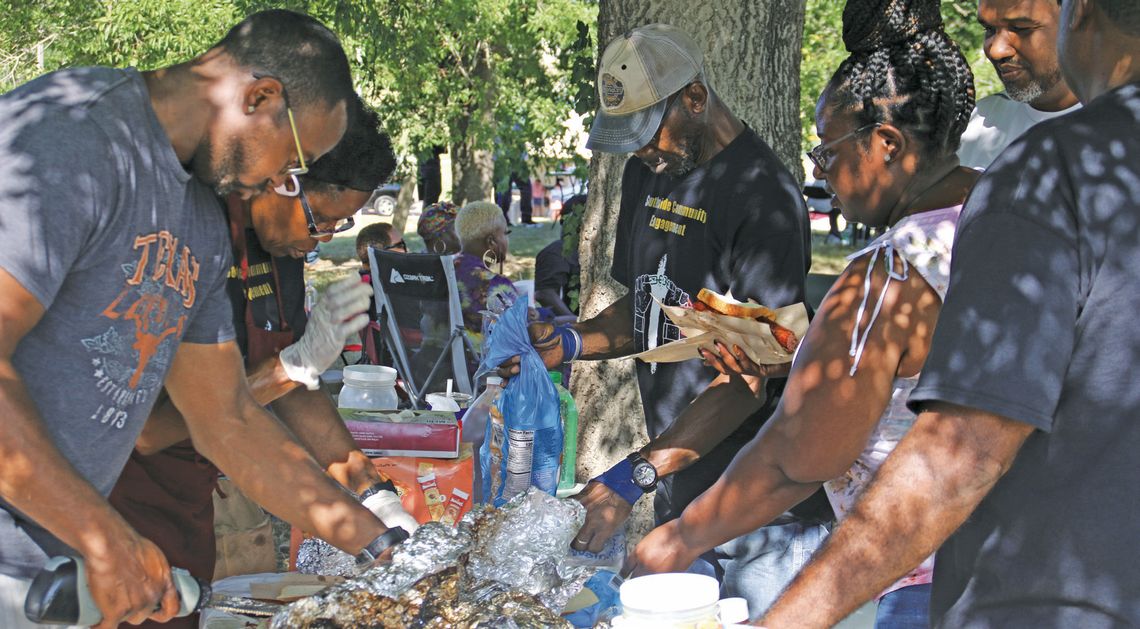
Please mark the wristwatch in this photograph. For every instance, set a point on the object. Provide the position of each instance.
(383, 542)
(384, 485)
(643, 474)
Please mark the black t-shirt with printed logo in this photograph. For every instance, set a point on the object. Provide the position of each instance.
(735, 223)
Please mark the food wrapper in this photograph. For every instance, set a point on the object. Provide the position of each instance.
(703, 327)
(430, 490)
(509, 562)
(525, 546)
(427, 486)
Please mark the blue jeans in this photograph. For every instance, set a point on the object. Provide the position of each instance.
(759, 565)
(906, 608)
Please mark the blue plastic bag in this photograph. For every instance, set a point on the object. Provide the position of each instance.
(608, 606)
(523, 445)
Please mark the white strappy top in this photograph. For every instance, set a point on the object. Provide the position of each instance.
(920, 243)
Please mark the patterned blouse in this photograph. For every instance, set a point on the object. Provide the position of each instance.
(921, 243)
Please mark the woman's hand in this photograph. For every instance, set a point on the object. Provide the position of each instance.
(737, 364)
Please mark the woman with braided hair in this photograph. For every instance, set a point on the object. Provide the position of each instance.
(890, 121)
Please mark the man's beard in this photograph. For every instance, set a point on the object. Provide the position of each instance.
(223, 176)
(683, 162)
(1035, 88)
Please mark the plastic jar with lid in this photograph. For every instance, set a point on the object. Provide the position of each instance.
(369, 387)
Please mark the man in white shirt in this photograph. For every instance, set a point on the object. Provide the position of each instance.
(1020, 41)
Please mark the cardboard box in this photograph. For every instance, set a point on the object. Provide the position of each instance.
(404, 433)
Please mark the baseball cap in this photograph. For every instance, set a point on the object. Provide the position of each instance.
(637, 74)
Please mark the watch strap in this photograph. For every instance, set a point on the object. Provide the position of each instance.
(635, 458)
(384, 485)
(383, 542)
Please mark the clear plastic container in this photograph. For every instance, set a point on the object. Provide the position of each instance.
(369, 388)
(475, 428)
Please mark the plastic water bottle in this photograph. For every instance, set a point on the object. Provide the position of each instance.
(475, 429)
(569, 412)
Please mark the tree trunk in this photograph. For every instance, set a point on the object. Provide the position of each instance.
(404, 201)
(752, 60)
(472, 165)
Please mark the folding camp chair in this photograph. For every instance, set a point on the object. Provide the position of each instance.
(418, 285)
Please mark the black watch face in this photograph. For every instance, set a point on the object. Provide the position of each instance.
(644, 474)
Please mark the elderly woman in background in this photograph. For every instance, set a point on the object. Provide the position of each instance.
(483, 239)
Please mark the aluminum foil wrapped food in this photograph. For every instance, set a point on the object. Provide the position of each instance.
(524, 545)
(499, 568)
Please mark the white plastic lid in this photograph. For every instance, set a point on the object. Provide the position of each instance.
(669, 592)
(369, 375)
(494, 380)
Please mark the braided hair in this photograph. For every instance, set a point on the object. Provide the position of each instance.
(904, 70)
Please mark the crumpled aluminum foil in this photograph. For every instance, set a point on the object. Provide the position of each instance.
(316, 556)
(524, 546)
(521, 547)
(432, 548)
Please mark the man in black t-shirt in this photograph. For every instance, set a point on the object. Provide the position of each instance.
(1021, 467)
(705, 204)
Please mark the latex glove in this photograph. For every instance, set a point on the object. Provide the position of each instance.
(340, 313)
(386, 505)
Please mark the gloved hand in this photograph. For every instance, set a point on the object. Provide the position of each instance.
(339, 313)
(386, 505)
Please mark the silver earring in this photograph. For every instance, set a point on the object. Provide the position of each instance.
(250, 109)
(494, 258)
(887, 158)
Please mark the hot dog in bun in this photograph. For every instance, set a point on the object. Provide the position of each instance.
(708, 300)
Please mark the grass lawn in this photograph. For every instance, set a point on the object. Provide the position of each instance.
(338, 256)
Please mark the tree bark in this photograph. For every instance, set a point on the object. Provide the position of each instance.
(752, 62)
(473, 165)
(404, 201)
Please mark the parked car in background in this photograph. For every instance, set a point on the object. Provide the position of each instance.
(382, 201)
(817, 197)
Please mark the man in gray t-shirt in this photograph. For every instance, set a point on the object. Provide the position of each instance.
(113, 255)
(1024, 454)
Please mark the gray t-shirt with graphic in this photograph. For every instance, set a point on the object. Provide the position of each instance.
(126, 253)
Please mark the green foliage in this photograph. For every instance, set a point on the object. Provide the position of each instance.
(142, 33)
(823, 52)
(428, 65)
(431, 68)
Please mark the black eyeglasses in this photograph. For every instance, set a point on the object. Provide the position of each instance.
(822, 154)
(402, 246)
(315, 231)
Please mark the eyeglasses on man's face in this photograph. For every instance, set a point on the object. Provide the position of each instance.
(822, 155)
(397, 246)
(301, 168)
(292, 188)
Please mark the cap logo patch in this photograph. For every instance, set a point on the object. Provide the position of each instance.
(613, 92)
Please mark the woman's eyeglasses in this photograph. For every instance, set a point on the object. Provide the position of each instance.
(292, 188)
(822, 155)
